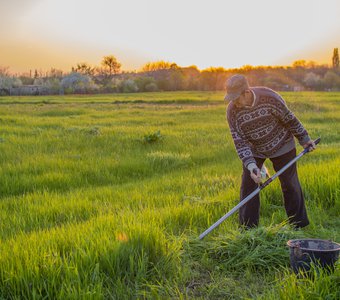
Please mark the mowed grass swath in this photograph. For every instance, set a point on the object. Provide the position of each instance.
(105, 196)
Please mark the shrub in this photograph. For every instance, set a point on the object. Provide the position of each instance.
(146, 84)
(151, 87)
(129, 86)
(53, 85)
(78, 83)
(153, 137)
(7, 82)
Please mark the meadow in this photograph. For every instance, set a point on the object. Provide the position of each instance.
(104, 197)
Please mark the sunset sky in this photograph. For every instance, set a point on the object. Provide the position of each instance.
(40, 34)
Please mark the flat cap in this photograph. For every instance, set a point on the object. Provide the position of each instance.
(235, 85)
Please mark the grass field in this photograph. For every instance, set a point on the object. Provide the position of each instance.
(103, 197)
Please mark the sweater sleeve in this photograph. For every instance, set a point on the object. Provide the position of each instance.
(290, 121)
(243, 148)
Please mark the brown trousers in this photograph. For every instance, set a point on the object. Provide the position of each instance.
(292, 193)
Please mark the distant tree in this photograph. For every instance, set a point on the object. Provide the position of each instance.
(335, 58)
(110, 65)
(4, 71)
(299, 63)
(176, 79)
(113, 85)
(77, 83)
(38, 81)
(151, 87)
(146, 84)
(84, 68)
(7, 82)
(213, 79)
(311, 64)
(52, 84)
(55, 73)
(159, 65)
(332, 80)
(174, 66)
(312, 80)
(129, 86)
(247, 68)
(26, 79)
(191, 77)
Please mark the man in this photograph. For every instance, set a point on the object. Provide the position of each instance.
(263, 127)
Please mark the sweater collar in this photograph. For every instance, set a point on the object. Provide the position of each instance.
(254, 99)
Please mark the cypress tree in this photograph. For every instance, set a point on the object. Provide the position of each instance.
(335, 58)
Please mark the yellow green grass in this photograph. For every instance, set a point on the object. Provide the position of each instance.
(104, 196)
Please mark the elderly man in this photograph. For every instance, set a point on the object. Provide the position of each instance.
(263, 127)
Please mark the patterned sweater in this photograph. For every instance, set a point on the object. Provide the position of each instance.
(266, 129)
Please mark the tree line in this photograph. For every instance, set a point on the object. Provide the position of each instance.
(168, 76)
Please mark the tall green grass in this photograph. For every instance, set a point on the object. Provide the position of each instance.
(104, 196)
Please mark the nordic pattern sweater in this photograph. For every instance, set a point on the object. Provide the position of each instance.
(266, 129)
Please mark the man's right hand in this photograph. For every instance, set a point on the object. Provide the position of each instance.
(255, 172)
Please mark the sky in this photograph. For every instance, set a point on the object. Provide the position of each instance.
(41, 34)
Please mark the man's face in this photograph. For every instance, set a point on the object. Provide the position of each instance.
(242, 101)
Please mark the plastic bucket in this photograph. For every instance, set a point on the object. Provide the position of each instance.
(322, 253)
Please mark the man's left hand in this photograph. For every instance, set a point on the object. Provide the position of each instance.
(310, 145)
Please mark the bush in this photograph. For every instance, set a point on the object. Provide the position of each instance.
(7, 82)
(153, 137)
(332, 80)
(53, 85)
(78, 83)
(312, 80)
(129, 86)
(151, 87)
(146, 84)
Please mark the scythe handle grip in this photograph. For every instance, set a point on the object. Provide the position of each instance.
(317, 141)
